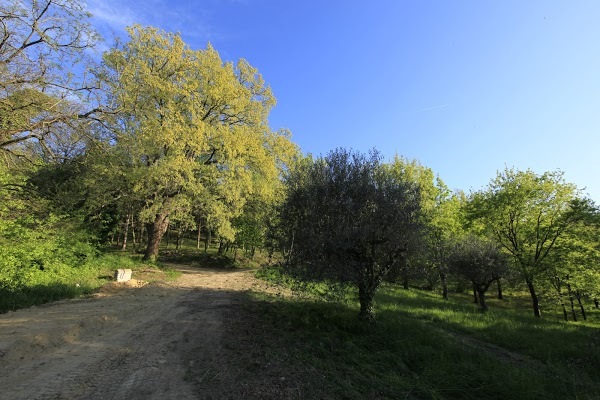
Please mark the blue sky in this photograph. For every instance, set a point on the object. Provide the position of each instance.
(465, 87)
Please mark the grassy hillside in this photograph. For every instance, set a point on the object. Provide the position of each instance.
(423, 347)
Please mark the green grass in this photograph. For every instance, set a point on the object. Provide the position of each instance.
(65, 281)
(544, 339)
(415, 348)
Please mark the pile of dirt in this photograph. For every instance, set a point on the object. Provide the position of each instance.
(116, 287)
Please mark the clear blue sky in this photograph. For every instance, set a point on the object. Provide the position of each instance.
(465, 87)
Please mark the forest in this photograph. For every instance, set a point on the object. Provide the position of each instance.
(118, 150)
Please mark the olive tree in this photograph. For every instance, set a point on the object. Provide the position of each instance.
(480, 261)
(348, 220)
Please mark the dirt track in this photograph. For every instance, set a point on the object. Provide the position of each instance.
(159, 341)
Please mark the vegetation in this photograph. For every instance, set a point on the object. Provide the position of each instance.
(424, 346)
(165, 147)
(349, 221)
(527, 214)
(479, 261)
(190, 134)
(63, 278)
(46, 91)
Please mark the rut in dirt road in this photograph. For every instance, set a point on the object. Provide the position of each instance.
(159, 341)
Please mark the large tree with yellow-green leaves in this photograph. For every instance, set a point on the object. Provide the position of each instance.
(191, 132)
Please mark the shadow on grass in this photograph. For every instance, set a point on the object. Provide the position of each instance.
(271, 347)
(398, 357)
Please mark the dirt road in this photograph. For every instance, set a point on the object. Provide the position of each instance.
(159, 341)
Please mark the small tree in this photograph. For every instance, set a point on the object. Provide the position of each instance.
(479, 261)
(349, 221)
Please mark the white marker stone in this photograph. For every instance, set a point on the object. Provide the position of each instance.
(122, 275)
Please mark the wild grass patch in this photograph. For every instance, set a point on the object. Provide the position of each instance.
(58, 281)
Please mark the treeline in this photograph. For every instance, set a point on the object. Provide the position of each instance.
(156, 134)
(353, 219)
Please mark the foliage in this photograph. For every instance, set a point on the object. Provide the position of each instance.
(68, 280)
(526, 213)
(42, 44)
(349, 221)
(573, 268)
(480, 261)
(190, 133)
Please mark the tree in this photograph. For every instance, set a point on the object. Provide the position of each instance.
(349, 221)
(574, 264)
(480, 261)
(526, 214)
(190, 131)
(445, 223)
(44, 85)
(440, 214)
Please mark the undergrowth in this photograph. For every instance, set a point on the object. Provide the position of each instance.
(58, 281)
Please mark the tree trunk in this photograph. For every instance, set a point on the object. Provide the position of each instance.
(578, 297)
(199, 230)
(573, 309)
(405, 281)
(155, 230)
(596, 303)
(475, 300)
(571, 300)
(444, 283)
(168, 231)
(564, 308)
(125, 233)
(143, 239)
(366, 295)
(534, 299)
(481, 295)
(178, 239)
(133, 237)
(499, 290)
(556, 283)
(207, 239)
